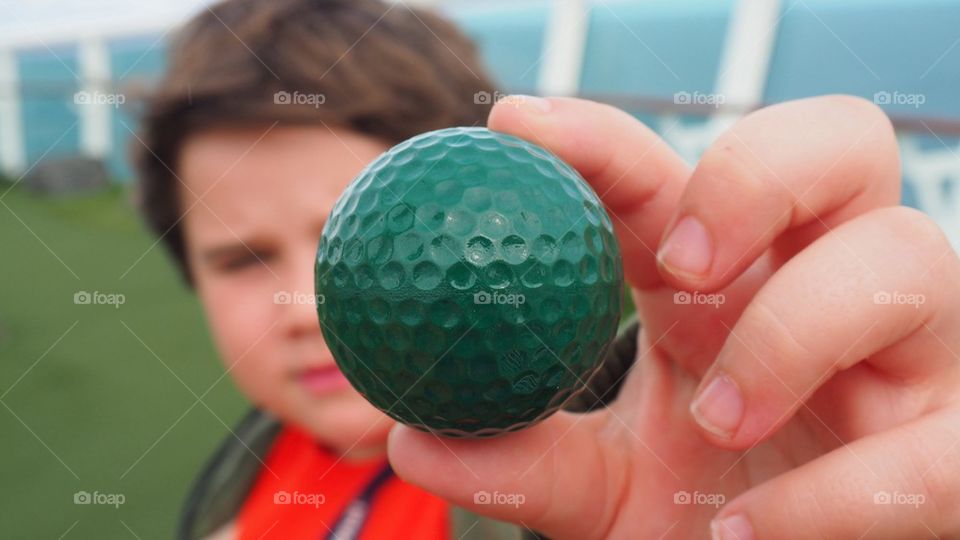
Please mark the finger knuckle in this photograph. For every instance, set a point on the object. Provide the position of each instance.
(731, 166)
(767, 334)
(912, 228)
(857, 108)
(882, 163)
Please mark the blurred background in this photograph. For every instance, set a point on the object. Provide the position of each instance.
(110, 390)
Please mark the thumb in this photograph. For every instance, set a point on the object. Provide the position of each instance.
(555, 478)
(636, 175)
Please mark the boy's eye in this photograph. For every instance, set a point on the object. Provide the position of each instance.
(243, 261)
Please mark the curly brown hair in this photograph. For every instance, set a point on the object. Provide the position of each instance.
(384, 70)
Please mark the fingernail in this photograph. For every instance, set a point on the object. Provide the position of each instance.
(531, 104)
(735, 527)
(688, 251)
(719, 407)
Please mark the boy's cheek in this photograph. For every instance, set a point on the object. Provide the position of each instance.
(238, 315)
(245, 333)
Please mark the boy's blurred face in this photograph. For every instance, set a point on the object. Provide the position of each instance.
(256, 201)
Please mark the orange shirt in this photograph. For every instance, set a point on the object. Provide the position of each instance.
(304, 489)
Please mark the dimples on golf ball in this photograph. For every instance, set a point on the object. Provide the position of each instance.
(471, 282)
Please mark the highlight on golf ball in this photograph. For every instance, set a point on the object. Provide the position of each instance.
(471, 282)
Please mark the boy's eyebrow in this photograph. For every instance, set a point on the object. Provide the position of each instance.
(226, 249)
(245, 246)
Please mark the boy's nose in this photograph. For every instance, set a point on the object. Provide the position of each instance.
(300, 308)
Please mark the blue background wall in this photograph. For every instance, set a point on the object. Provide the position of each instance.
(49, 80)
(650, 48)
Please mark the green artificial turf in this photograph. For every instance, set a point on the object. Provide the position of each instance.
(84, 405)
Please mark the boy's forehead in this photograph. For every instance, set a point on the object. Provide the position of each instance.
(210, 158)
(249, 176)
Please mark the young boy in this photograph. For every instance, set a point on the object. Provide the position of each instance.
(794, 396)
(266, 112)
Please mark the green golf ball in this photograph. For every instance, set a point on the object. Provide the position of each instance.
(469, 282)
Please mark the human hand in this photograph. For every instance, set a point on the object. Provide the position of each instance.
(823, 319)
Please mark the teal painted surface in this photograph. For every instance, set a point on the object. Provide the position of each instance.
(509, 39)
(132, 61)
(859, 47)
(654, 48)
(48, 82)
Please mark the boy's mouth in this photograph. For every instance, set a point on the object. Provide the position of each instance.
(323, 379)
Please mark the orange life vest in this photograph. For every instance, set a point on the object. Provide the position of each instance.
(305, 491)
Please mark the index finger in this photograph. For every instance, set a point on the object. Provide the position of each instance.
(636, 175)
(780, 178)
